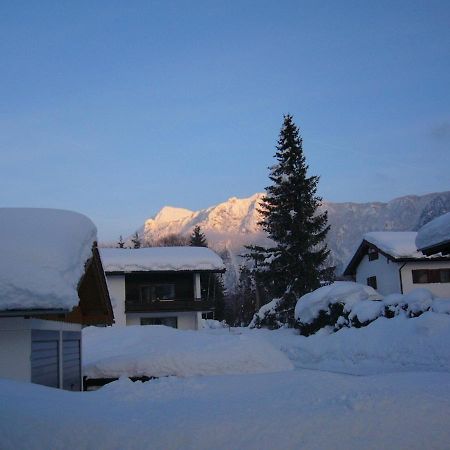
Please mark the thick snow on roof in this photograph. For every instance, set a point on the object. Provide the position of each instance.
(435, 232)
(43, 253)
(160, 259)
(399, 244)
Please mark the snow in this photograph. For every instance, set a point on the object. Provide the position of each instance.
(44, 252)
(399, 244)
(435, 232)
(309, 306)
(160, 259)
(157, 351)
(400, 397)
(384, 346)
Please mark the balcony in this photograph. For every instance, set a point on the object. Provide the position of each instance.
(132, 306)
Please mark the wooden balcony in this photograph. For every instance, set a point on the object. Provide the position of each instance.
(133, 306)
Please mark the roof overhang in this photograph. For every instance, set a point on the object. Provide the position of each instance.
(125, 272)
(441, 247)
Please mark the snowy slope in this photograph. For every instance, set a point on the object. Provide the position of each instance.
(234, 223)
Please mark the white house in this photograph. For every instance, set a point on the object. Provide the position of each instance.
(51, 283)
(390, 262)
(161, 285)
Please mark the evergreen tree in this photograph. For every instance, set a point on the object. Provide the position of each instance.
(121, 243)
(136, 240)
(290, 216)
(198, 238)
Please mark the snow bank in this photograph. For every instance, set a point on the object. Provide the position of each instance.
(435, 232)
(385, 345)
(399, 244)
(43, 253)
(160, 259)
(162, 351)
(290, 410)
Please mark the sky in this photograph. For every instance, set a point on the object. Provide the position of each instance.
(115, 109)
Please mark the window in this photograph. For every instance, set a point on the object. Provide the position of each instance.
(155, 292)
(167, 321)
(373, 254)
(372, 282)
(431, 276)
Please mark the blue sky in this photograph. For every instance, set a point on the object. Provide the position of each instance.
(115, 109)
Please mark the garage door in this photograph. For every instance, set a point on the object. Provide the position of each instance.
(71, 361)
(45, 357)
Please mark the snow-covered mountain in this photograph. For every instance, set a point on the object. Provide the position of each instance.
(234, 223)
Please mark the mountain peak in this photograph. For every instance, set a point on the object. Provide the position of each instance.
(171, 214)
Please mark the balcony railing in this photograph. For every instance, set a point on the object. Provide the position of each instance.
(168, 305)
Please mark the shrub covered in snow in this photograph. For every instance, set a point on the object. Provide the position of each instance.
(348, 304)
(274, 314)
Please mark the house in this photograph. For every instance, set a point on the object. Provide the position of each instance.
(161, 285)
(390, 262)
(434, 237)
(51, 283)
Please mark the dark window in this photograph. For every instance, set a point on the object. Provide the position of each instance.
(445, 275)
(373, 254)
(153, 292)
(431, 276)
(372, 282)
(420, 276)
(167, 321)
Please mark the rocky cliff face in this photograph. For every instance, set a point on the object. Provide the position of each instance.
(234, 223)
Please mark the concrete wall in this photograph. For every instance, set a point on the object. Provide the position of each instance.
(116, 288)
(439, 289)
(386, 271)
(186, 320)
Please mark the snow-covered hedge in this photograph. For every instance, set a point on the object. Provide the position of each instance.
(347, 304)
(158, 351)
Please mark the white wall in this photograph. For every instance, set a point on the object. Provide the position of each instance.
(116, 288)
(15, 344)
(15, 354)
(439, 289)
(386, 271)
(186, 320)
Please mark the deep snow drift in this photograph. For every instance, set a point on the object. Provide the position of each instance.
(287, 410)
(158, 351)
(43, 256)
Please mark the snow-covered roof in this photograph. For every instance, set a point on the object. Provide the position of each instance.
(160, 259)
(42, 259)
(434, 233)
(398, 244)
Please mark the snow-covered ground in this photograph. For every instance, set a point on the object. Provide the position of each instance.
(386, 385)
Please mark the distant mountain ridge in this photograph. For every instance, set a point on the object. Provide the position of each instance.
(234, 223)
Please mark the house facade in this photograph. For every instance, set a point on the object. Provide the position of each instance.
(170, 286)
(390, 263)
(51, 284)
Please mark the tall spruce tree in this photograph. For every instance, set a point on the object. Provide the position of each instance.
(290, 216)
(198, 238)
(136, 240)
